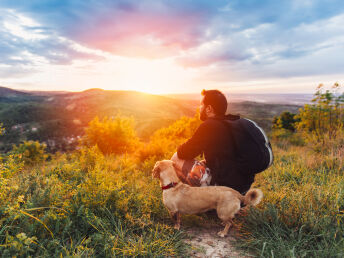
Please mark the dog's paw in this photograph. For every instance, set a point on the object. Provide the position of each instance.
(177, 227)
(221, 234)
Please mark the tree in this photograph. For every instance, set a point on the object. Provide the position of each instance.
(285, 120)
(325, 117)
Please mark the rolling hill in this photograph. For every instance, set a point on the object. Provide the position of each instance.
(59, 118)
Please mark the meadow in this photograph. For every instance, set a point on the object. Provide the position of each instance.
(100, 200)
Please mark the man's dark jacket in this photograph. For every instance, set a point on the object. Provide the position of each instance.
(212, 138)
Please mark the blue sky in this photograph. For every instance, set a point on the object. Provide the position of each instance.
(172, 46)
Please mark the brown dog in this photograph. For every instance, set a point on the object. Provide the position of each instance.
(180, 198)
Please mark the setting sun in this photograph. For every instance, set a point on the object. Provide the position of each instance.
(150, 76)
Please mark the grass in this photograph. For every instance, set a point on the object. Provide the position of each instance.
(86, 204)
(302, 211)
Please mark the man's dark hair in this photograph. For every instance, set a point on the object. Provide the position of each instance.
(216, 99)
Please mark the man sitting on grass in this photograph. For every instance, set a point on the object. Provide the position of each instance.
(234, 148)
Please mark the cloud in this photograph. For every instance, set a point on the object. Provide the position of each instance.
(268, 50)
(129, 28)
(223, 40)
(157, 29)
(24, 43)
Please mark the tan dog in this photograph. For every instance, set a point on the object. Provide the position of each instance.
(180, 198)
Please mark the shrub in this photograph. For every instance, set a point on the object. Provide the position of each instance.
(324, 119)
(285, 120)
(112, 135)
(164, 142)
(86, 204)
(30, 152)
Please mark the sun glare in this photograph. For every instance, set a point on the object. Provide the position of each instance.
(150, 76)
(117, 73)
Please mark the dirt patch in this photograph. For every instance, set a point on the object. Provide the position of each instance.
(204, 241)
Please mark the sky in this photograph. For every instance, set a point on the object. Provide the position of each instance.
(179, 46)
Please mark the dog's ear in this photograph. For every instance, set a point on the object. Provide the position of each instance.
(156, 170)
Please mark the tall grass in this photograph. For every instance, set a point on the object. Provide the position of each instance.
(85, 204)
(302, 214)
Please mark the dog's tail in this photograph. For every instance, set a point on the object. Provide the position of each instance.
(253, 197)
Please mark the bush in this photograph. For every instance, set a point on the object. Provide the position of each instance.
(285, 120)
(30, 152)
(112, 135)
(323, 120)
(164, 142)
(86, 204)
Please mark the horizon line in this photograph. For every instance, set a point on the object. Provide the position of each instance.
(170, 93)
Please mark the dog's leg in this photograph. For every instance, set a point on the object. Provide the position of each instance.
(176, 219)
(177, 224)
(224, 232)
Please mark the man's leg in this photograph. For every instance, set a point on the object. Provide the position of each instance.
(188, 171)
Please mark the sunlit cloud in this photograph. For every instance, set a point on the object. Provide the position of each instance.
(170, 46)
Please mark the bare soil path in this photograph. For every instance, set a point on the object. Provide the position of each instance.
(204, 241)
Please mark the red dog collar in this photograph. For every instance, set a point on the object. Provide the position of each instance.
(170, 185)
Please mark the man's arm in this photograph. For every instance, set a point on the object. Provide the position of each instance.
(196, 144)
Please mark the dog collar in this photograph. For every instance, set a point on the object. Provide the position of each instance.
(170, 185)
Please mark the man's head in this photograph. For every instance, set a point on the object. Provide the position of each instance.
(213, 103)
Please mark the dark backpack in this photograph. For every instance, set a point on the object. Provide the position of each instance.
(252, 147)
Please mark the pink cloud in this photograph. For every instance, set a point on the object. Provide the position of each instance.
(141, 34)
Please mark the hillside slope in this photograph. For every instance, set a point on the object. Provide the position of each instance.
(61, 117)
(58, 118)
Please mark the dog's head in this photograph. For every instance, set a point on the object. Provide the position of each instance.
(166, 169)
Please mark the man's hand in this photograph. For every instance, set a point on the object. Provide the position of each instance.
(203, 162)
(178, 163)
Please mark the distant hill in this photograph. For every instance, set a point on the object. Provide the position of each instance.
(262, 113)
(7, 92)
(269, 98)
(59, 118)
(149, 111)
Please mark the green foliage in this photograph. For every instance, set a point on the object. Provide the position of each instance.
(324, 120)
(302, 211)
(86, 204)
(30, 152)
(320, 124)
(9, 168)
(112, 135)
(283, 137)
(285, 120)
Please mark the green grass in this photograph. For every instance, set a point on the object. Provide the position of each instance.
(85, 204)
(302, 211)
